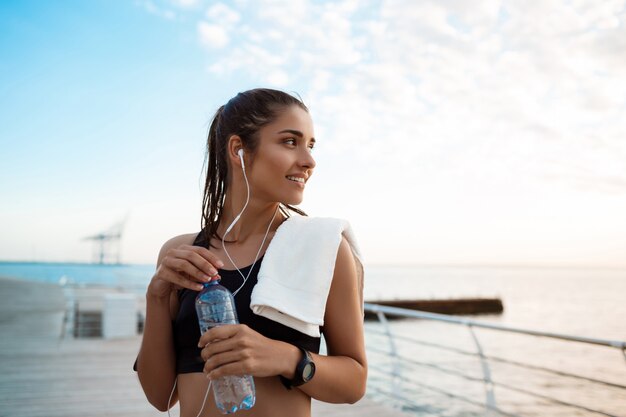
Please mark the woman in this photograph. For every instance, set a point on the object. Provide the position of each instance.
(259, 142)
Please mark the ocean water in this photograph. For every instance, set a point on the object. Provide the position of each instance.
(438, 380)
(578, 301)
(132, 277)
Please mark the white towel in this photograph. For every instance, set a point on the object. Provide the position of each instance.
(297, 270)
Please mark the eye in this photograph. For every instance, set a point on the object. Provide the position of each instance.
(311, 146)
(290, 141)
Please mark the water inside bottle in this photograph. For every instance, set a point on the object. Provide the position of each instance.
(215, 307)
(234, 393)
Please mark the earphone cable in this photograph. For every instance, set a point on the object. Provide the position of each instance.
(256, 258)
(245, 278)
(206, 394)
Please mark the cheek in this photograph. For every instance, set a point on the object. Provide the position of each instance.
(266, 171)
(271, 162)
(277, 163)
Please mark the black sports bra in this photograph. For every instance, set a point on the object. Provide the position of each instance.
(187, 329)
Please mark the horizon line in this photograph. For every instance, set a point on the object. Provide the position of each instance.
(371, 264)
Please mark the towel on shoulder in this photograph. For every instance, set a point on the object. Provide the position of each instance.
(297, 270)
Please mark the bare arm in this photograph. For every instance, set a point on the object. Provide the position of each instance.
(179, 265)
(341, 376)
(156, 365)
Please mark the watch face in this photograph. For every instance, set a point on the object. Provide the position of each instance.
(308, 371)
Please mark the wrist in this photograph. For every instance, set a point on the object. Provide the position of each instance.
(158, 290)
(304, 370)
(157, 299)
(292, 356)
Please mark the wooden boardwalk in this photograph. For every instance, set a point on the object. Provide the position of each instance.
(42, 375)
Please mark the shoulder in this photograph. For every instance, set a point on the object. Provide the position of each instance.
(186, 239)
(346, 290)
(348, 273)
(345, 264)
(176, 241)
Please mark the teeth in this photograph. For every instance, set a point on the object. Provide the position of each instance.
(297, 179)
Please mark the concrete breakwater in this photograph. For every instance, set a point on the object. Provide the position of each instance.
(461, 306)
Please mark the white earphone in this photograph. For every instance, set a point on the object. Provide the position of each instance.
(240, 153)
(243, 168)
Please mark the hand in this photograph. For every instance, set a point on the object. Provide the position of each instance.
(184, 267)
(236, 349)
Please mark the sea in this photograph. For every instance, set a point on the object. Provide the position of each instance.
(440, 373)
(436, 369)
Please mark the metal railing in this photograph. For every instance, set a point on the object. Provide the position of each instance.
(84, 315)
(400, 372)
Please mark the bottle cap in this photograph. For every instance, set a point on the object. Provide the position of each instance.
(212, 282)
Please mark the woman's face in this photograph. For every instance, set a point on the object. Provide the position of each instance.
(282, 163)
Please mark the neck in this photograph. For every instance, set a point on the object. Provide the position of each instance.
(253, 221)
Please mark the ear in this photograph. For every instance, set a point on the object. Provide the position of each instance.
(234, 145)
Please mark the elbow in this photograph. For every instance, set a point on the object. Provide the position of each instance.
(359, 387)
(159, 404)
(160, 407)
(358, 393)
(159, 398)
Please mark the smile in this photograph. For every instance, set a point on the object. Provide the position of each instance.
(296, 179)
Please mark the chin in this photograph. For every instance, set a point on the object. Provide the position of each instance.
(293, 201)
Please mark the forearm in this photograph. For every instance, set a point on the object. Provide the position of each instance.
(338, 379)
(156, 365)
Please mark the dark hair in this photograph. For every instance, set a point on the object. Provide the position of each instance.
(243, 116)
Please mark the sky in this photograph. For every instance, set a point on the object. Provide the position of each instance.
(448, 132)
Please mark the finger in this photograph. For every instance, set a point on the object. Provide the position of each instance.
(195, 255)
(235, 368)
(221, 346)
(206, 254)
(178, 263)
(222, 332)
(224, 358)
(177, 279)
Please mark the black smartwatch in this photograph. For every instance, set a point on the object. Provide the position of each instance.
(304, 371)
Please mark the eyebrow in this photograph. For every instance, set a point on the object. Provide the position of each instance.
(295, 132)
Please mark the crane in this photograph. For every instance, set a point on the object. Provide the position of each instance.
(107, 244)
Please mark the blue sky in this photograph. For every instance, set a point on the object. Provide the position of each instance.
(448, 132)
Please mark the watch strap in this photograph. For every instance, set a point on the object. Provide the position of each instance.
(298, 380)
(286, 382)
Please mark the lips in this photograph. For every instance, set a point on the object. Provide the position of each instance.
(301, 180)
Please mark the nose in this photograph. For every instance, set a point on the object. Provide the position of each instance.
(306, 160)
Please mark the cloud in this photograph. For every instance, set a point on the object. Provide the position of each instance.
(157, 10)
(221, 21)
(491, 92)
(219, 12)
(185, 3)
(213, 36)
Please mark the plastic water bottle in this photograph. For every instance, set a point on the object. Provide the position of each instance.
(215, 306)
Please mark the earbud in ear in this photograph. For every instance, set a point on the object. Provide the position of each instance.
(240, 153)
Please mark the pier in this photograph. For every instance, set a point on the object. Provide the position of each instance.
(55, 362)
(44, 375)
